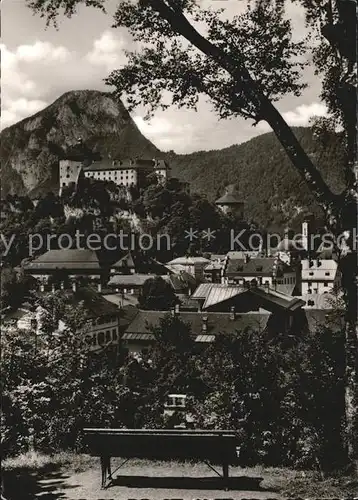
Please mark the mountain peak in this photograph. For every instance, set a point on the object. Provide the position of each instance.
(28, 147)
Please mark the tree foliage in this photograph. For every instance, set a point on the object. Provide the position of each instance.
(157, 295)
(284, 397)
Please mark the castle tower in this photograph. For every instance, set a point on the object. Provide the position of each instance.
(230, 203)
(72, 162)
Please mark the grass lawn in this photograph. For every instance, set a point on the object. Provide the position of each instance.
(77, 477)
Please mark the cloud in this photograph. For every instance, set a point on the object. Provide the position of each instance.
(20, 108)
(108, 50)
(36, 74)
(164, 132)
(42, 51)
(301, 115)
(13, 80)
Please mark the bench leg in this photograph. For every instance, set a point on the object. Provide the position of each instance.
(105, 470)
(226, 475)
(109, 469)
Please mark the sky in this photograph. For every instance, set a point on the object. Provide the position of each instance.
(39, 64)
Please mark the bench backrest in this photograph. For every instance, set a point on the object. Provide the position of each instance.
(162, 444)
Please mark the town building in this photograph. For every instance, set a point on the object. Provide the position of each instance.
(268, 271)
(138, 262)
(205, 327)
(192, 265)
(66, 268)
(127, 173)
(80, 162)
(72, 163)
(183, 283)
(319, 276)
(223, 309)
(104, 321)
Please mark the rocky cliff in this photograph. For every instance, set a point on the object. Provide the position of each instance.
(30, 149)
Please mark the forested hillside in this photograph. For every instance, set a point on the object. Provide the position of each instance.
(273, 193)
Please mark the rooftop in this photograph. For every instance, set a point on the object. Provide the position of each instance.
(127, 164)
(188, 261)
(65, 259)
(129, 280)
(229, 199)
(264, 266)
(216, 293)
(217, 323)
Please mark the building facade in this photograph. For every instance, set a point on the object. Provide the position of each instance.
(319, 276)
(127, 173)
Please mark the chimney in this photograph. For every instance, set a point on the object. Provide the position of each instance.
(74, 286)
(232, 313)
(204, 323)
(42, 287)
(53, 288)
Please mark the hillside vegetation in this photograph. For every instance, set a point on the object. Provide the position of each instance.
(273, 193)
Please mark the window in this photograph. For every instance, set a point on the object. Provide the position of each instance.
(326, 273)
(114, 334)
(108, 336)
(325, 284)
(311, 273)
(101, 338)
(310, 303)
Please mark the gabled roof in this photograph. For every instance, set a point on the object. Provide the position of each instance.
(127, 164)
(65, 259)
(203, 290)
(180, 281)
(229, 199)
(217, 323)
(214, 266)
(216, 293)
(277, 298)
(188, 261)
(260, 266)
(285, 289)
(129, 280)
(125, 262)
(221, 294)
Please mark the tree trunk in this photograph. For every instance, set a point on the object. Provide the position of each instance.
(348, 267)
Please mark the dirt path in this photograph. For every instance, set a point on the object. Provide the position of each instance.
(157, 482)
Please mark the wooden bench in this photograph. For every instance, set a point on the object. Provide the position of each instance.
(217, 446)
